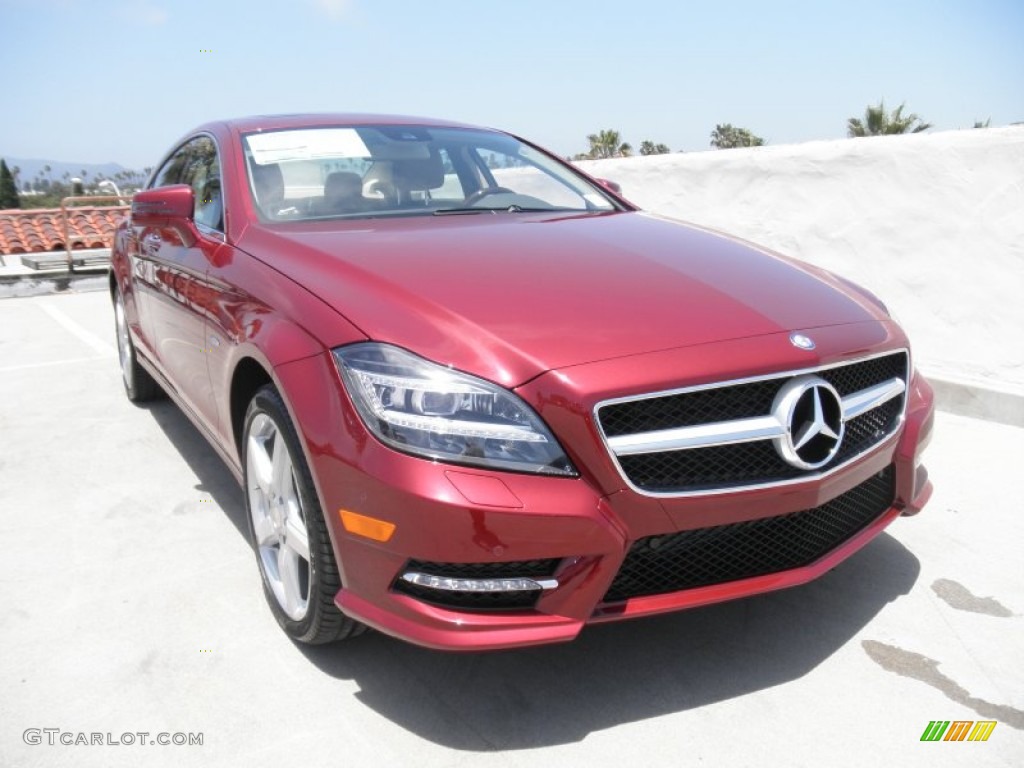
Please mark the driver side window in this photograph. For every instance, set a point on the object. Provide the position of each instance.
(197, 164)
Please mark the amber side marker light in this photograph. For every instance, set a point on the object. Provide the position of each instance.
(370, 527)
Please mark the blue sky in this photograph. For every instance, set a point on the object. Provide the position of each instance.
(120, 80)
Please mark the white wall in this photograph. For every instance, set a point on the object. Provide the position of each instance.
(931, 223)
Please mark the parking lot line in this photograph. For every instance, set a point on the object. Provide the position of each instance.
(69, 361)
(88, 337)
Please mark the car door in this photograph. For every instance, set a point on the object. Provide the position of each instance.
(172, 274)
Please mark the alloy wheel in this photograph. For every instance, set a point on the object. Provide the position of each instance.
(124, 342)
(278, 520)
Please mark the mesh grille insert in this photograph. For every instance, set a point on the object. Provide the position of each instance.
(704, 556)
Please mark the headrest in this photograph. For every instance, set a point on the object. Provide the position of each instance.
(343, 184)
(426, 173)
(268, 182)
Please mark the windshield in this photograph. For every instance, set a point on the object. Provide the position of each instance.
(406, 170)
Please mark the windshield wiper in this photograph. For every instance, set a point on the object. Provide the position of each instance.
(457, 211)
(502, 209)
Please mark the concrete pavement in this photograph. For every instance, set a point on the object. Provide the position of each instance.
(130, 602)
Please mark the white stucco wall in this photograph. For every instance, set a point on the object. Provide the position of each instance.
(931, 223)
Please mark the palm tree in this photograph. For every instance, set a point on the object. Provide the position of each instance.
(879, 122)
(727, 136)
(606, 144)
(650, 148)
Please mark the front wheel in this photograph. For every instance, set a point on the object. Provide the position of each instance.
(293, 548)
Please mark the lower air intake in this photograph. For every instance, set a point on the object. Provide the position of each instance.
(704, 556)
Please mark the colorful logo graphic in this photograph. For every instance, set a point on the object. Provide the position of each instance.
(958, 730)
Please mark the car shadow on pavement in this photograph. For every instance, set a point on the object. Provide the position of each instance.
(625, 672)
(215, 479)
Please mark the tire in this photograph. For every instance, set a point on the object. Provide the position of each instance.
(287, 529)
(138, 384)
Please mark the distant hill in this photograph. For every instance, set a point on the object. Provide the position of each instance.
(31, 167)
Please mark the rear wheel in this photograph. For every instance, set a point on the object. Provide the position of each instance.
(293, 548)
(138, 384)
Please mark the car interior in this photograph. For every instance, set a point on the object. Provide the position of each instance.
(379, 171)
(387, 185)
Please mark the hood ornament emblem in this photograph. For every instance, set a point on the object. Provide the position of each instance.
(800, 341)
(810, 411)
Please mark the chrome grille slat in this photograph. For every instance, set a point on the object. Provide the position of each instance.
(744, 430)
(719, 433)
(868, 399)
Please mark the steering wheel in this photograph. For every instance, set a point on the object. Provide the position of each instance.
(283, 209)
(480, 194)
(381, 191)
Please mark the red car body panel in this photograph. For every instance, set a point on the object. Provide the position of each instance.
(563, 271)
(567, 311)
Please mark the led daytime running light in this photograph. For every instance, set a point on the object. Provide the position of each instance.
(449, 584)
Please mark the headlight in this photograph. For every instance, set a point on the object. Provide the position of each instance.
(426, 409)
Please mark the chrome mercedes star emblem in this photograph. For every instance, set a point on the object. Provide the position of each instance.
(811, 412)
(800, 341)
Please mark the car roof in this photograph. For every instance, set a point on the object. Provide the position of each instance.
(314, 120)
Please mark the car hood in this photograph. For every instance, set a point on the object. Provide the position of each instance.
(508, 296)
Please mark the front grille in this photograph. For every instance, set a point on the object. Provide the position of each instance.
(732, 466)
(755, 463)
(704, 556)
(688, 409)
(868, 430)
(848, 379)
(718, 466)
(478, 601)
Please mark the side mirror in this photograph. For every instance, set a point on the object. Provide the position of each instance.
(612, 186)
(166, 208)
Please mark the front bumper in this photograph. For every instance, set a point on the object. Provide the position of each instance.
(455, 515)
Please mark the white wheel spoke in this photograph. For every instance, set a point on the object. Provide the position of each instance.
(260, 464)
(290, 496)
(266, 536)
(296, 539)
(282, 468)
(288, 568)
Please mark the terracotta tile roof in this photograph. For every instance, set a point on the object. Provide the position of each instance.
(43, 229)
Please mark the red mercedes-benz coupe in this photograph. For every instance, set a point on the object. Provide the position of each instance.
(477, 399)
